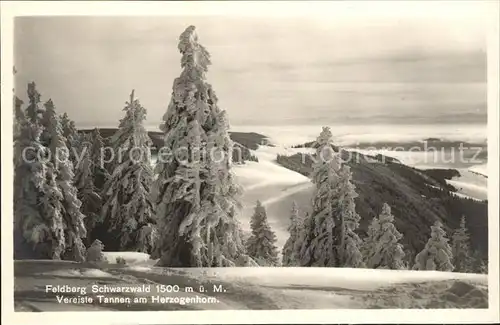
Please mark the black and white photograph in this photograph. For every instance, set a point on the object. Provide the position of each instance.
(332, 159)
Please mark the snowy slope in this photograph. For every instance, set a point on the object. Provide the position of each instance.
(470, 184)
(274, 185)
(480, 169)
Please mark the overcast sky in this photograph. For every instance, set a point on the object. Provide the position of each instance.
(265, 70)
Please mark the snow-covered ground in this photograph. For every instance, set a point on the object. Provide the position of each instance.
(247, 288)
(131, 258)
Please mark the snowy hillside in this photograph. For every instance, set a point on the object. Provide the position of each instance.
(277, 187)
(243, 288)
(274, 185)
(471, 184)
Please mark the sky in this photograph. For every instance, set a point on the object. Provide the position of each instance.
(265, 70)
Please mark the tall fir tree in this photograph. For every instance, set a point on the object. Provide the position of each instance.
(99, 156)
(333, 241)
(437, 254)
(88, 193)
(128, 209)
(289, 251)
(74, 226)
(460, 245)
(70, 133)
(261, 246)
(383, 249)
(197, 196)
(44, 218)
(33, 231)
(34, 111)
(370, 240)
(349, 251)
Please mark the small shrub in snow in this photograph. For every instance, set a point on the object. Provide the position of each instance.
(94, 253)
(120, 260)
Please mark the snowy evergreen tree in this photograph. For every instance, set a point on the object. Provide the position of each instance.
(370, 241)
(383, 249)
(74, 227)
(437, 254)
(197, 196)
(261, 246)
(38, 225)
(33, 111)
(127, 209)
(98, 157)
(70, 133)
(305, 236)
(88, 194)
(333, 241)
(47, 220)
(289, 251)
(32, 225)
(460, 244)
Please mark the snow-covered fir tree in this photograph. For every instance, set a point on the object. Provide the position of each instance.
(289, 251)
(305, 236)
(33, 233)
(371, 238)
(74, 227)
(437, 254)
(325, 238)
(197, 196)
(70, 133)
(128, 208)
(34, 111)
(333, 241)
(88, 194)
(98, 158)
(460, 247)
(382, 247)
(47, 222)
(349, 251)
(261, 246)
